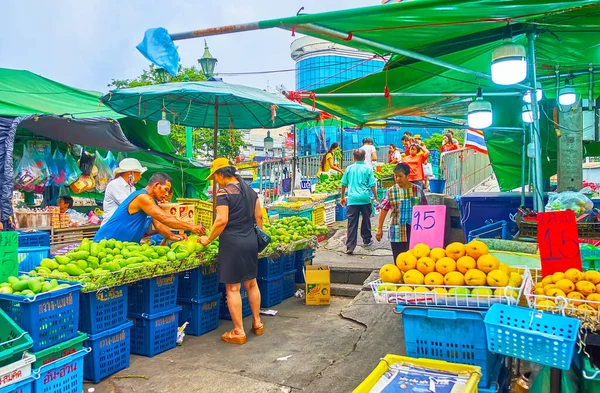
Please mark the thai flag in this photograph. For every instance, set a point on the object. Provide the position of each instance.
(474, 139)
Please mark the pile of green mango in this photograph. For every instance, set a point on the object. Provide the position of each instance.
(329, 184)
(101, 264)
(29, 286)
(289, 230)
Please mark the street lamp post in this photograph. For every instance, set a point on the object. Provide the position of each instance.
(207, 62)
(189, 142)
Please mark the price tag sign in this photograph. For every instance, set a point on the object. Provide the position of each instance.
(305, 185)
(9, 263)
(558, 241)
(428, 225)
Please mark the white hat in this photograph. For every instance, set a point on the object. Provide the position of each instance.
(130, 165)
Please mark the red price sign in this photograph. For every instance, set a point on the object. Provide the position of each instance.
(558, 241)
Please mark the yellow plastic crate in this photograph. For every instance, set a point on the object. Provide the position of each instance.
(383, 366)
(265, 216)
(204, 211)
(318, 216)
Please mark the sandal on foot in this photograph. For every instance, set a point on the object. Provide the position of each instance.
(230, 338)
(258, 330)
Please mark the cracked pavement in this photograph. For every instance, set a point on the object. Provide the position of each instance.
(333, 348)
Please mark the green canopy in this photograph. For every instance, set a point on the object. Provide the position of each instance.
(23, 93)
(193, 104)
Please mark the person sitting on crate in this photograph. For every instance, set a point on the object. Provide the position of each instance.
(133, 217)
(359, 181)
(400, 199)
(238, 210)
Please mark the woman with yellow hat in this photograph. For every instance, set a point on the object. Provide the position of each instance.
(238, 210)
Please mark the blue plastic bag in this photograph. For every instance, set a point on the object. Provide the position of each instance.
(158, 47)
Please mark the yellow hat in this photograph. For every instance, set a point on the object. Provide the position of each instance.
(417, 136)
(218, 163)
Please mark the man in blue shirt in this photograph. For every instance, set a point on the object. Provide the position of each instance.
(359, 180)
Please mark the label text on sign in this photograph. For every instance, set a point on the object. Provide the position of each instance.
(428, 225)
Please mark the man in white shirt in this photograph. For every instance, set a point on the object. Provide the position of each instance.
(370, 152)
(118, 189)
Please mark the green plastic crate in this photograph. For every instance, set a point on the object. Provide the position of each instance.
(59, 351)
(590, 376)
(13, 340)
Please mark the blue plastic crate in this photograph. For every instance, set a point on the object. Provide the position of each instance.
(103, 309)
(340, 212)
(24, 386)
(110, 352)
(49, 318)
(154, 333)
(300, 270)
(289, 279)
(496, 230)
(531, 335)
(456, 336)
(498, 379)
(288, 262)
(153, 295)
(224, 310)
(590, 258)
(30, 257)
(269, 267)
(34, 239)
(307, 213)
(271, 291)
(64, 375)
(202, 315)
(302, 256)
(198, 283)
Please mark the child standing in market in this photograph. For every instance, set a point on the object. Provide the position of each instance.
(400, 199)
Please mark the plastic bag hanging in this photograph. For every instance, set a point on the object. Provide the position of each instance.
(104, 173)
(45, 172)
(72, 170)
(86, 163)
(27, 174)
(61, 168)
(111, 161)
(51, 164)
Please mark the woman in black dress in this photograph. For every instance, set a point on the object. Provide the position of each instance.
(238, 209)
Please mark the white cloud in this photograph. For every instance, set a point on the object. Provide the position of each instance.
(86, 43)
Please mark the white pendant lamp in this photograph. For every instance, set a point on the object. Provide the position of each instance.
(527, 113)
(538, 93)
(479, 114)
(508, 61)
(567, 95)
(164, 126)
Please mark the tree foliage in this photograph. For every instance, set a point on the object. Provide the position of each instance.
(435, 140)
(229, 141)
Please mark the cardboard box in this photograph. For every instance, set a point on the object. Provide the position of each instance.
(318, 285)
(182, 212)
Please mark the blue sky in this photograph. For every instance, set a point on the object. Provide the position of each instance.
(85, 43)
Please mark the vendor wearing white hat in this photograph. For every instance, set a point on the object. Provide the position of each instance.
(118, 189)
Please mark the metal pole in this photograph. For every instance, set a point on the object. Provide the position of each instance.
(342, 142)
(188, 142)
(215, 31)
(523, 165)
(407, 94)
(295, 158)
(535, 137)
(215, 148)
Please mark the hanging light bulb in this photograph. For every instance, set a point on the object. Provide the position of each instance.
(567, 95)
(164, 126)
(479, 114)
(508, 61)
(538, 93)
(527, 113)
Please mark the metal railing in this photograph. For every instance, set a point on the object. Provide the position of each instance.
(464, 170)
(309, 165)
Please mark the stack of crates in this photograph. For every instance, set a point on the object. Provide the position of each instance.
(52, 320)
(224, 310)
(153, 309)
(329, 212)
(340, 212)
(33, 247)
(199, 299)
(15, 370)
(270, 279)
(203, 212)
(302, 258)
(103, 316)
(456, 336)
